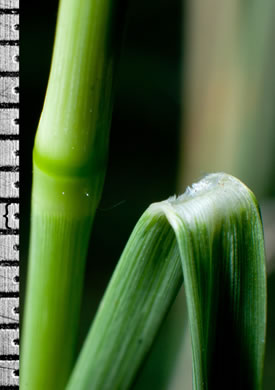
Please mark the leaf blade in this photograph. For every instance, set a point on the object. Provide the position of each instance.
(213, 223)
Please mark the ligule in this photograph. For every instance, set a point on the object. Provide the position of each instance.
(214, 231)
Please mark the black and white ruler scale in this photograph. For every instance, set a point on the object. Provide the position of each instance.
(9, 194)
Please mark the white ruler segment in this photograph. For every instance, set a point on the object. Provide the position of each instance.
(9, 27)
(9, 4)
(9, 194)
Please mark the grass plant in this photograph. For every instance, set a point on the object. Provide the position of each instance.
(211, 237)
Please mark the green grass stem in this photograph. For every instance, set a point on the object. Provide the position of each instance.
(69, 163)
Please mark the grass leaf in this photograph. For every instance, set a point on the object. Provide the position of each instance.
(213, 235)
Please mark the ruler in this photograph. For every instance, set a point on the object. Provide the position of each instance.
(9, 194)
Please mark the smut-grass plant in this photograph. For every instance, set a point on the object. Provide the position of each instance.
(210, 238)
